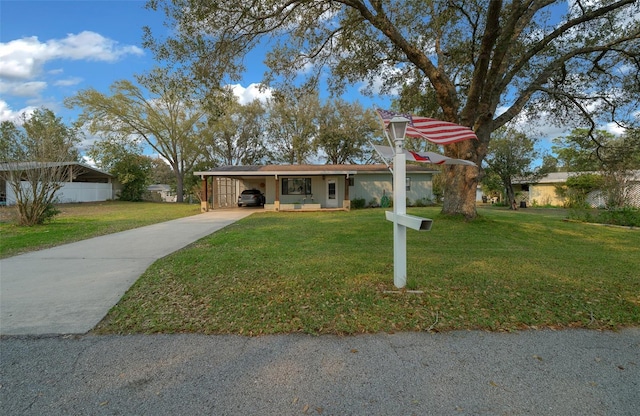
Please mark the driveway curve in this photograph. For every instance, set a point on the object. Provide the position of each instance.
(68, 289)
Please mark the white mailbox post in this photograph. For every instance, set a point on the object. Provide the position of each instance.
(398, 129)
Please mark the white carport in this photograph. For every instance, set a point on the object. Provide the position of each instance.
(83, 184)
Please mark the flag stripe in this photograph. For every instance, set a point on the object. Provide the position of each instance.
(436, 131)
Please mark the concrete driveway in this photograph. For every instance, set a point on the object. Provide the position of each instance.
(68, 289)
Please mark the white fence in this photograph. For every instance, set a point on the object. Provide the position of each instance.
(74, 192)
(597, 199)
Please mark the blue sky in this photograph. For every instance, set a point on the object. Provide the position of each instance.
(50, 49)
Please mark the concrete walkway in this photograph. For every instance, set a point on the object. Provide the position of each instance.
(68, 289)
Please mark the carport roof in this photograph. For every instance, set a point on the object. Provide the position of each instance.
(276, 170)
(81, 169)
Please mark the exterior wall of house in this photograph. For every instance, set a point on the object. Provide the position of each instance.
(369, 186)
(160, 193)
(421, 187)
(270, 189)
(544, 194)
(259, 184)
(318, 193)
(372, 187)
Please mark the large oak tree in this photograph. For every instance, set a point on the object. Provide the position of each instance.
(484, 62)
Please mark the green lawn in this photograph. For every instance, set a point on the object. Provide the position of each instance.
(81, 221)
(333, 273)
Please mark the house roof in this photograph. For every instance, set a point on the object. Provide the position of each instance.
(553, 177)
(159, 187)
(275, 170)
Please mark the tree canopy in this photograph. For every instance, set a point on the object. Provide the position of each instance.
(480, 63)
(123, 158)
(344, 131)
(584, 150)
(237, 136)
(605, 161)
(162, 112)
(293, 125)
(38, 137)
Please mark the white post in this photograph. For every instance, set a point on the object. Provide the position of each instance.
(399, 208)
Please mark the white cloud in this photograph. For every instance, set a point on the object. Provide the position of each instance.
(68, 82)
(24, 58)
(251, 93)
(8, 114)
(89, 161)
(614, 129)
(538, 127)
(23, 89)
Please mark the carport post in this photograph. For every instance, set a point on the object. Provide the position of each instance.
(204, 201)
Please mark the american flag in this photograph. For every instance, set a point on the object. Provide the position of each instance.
(436, 131)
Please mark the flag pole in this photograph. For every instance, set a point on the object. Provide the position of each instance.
(384, 160)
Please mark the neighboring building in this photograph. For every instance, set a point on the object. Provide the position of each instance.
(543, 192)
(84, 184)
(161, 193)
(311, 187)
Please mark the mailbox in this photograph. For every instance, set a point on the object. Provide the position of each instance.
(410, 221)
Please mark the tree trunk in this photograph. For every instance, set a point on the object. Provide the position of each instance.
(460, 191)
(511, 196)
(461, 182)
(179, 186)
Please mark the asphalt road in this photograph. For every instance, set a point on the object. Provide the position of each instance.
(569, 372)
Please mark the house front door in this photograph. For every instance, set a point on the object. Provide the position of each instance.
(332, 194)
